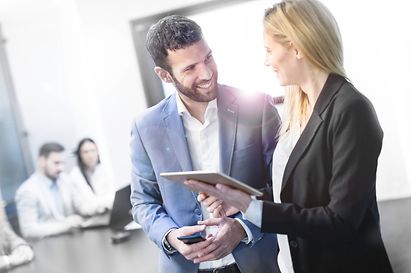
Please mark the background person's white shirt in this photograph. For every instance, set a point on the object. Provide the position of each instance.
(102, 194)
(38, 214)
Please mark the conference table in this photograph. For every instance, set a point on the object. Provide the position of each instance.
(91, 250)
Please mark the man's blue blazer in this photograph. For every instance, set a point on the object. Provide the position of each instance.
(248, 127)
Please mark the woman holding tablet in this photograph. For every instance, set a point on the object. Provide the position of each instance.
(324, 167)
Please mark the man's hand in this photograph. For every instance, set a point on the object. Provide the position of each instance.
(215, 206)
(100, 209)
(230, 196)
(189, 251)
(21, 255)
(229, 235)
(74, 222)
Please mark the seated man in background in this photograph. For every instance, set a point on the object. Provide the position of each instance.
(47, 202)
(14, 250)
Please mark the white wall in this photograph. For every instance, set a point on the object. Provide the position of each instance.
(377, 44)
(75, 71)
(76, 74)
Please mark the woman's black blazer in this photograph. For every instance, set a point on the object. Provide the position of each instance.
(329, 209)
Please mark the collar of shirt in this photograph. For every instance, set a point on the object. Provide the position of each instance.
(50, 183)
(210, 113)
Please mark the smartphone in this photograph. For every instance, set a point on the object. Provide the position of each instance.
(193, 238)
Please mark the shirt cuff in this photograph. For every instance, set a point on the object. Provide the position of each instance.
(7, 261)
(254, 212)
(249, 236)
(167, 247)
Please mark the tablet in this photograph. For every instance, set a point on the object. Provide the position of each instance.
(211, 178)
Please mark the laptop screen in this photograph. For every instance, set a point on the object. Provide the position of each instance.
(120, 214)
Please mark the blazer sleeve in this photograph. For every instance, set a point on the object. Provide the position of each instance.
(145, 197)
(13, 241)
(255, 230)
(355, 140)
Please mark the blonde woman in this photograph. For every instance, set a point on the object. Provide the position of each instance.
(324, 166)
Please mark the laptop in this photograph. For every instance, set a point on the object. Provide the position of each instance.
(119, 218)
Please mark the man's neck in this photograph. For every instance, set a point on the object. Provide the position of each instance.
(196, 109)
(52, 179)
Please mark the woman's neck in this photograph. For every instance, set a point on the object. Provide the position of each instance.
(90, 170)
(313, 85)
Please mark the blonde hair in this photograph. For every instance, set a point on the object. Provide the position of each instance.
(310, 27)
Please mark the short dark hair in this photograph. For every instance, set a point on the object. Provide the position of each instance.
(171, 33)
(50, 147)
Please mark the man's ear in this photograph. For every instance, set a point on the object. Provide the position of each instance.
(163, 74)
(42, 162)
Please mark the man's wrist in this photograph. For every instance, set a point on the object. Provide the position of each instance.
(248, 235)
(168, 248)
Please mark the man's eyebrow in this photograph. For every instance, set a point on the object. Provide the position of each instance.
(188, 67)
(194, 64)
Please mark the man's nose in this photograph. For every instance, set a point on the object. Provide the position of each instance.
(205, 73)
(60, 167)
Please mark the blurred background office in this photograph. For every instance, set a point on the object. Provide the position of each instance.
(71, 69)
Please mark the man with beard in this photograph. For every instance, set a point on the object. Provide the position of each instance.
(47, 203)
(202, 126)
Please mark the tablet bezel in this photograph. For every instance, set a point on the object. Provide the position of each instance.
(211, 178)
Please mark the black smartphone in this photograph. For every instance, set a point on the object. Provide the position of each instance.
(193, 238)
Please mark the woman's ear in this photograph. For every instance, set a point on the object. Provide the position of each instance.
(298, 54)
(163, 74)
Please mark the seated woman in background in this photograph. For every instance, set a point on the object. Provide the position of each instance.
(90, 178)
(14, 250)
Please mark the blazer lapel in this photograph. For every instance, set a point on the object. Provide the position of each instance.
(331, 87)
(302, 144)
(227, 117)
(175, 132)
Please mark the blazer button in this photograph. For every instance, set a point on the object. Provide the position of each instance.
(293, 244)
(197, 211)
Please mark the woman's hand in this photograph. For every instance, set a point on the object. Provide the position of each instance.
(216, 206)
(231, 197)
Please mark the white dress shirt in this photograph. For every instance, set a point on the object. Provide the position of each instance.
(102, 194)
(254, 212)
(39, 213)
(203, 144)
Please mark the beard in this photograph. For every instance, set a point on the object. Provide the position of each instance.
(194, 92)
(52, 176)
